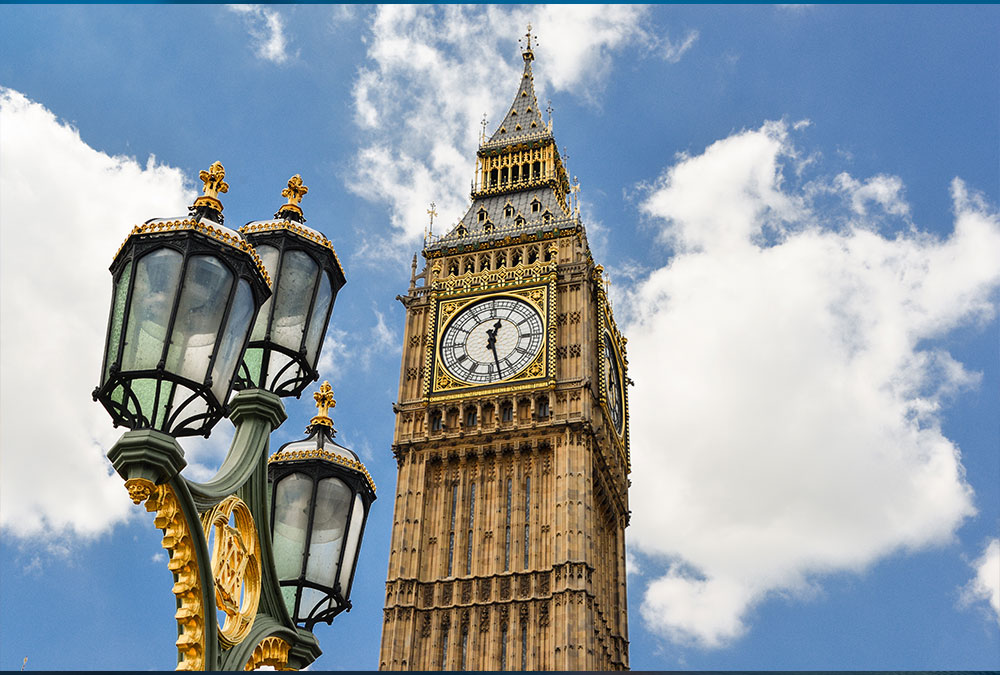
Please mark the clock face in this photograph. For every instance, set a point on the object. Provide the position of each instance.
(613, 383)
(492, 340)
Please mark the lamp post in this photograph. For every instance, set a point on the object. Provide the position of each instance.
(189, 296)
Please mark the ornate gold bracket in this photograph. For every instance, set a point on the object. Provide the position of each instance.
(187, 586)
(271, 651)
(235, 567)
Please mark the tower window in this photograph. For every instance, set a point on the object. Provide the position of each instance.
(472, 528)
(547, 217)
(542, 407)
(527, 521)
(506, 550)
(519, 221)
(503, 647)
(508, 211)
(516, 258)
(470, 266)
(462, 230)
(488, 226)
(532, 254)
(482, 215)
(437, 421)
(453, 265)
(451, 532)
(465, 645)
(470, 417)
(444, 646)
(536, 206)
(506, 412)
(484, 261)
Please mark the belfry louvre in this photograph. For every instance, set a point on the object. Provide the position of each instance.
(511, 436)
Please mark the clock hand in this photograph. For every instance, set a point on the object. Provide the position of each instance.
(491, 343)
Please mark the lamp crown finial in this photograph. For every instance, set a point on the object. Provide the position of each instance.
(213, 180)
(295, 190)
(324, 402)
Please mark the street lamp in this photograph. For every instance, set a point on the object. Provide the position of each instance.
(186, 292)
(286, 339)
(321, 493)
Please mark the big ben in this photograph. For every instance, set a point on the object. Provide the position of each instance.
(511, 436)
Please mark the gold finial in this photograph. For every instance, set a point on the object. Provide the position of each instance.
(213, 180)
(324, 402)
(527, 53)
(214, 184)
(429, 231)
(482, 134)
(295, 190)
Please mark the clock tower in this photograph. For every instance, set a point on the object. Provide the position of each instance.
(511, 437)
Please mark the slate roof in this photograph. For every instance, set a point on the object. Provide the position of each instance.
(523, 120)
(522, 112)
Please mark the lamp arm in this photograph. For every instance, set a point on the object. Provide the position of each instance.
(255, 413)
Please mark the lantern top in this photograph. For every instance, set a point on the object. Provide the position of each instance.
(319, 444)
(289, 218)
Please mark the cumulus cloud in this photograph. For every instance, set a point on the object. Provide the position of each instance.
(789, 382)
(267, 28)
(65, 210)
(433, 71)
(985, 585)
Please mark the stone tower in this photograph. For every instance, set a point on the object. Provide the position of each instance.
(511, 438)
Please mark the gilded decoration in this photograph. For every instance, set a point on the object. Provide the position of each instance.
(218, 233)
(324, 402)
(271, 652)
(304, 232)
(292, 455)
(541, 298)
(160, 499)
(235, 566)
(213, 185)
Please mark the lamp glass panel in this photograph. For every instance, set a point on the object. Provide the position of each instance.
(351, 544)
(156, 278)
(317, 327)
(292, 299)
(268, 256)
(204, 297)
(117, 319)
(291, 523)
(333, 501)
(232, 340)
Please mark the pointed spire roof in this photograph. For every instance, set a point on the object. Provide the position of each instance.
(523, 118)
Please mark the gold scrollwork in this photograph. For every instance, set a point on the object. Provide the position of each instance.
(272, 651)
(235, 566)
(187, 584)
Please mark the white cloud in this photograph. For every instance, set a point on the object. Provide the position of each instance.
(433, 72)
(65, 210)
(267, 28)
(673, 51)
(785, 417)
(985, 585)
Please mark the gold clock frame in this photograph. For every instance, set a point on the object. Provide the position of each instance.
(534, 284)
(618, 341)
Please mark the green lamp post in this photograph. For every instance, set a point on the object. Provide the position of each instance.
(186, 295)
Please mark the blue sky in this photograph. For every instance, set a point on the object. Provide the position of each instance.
(798, 210)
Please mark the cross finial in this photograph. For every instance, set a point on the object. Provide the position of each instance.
(324, 402)
(527, 53)
(482, 136)
(213, 180)
(295, 190)
(431, 212)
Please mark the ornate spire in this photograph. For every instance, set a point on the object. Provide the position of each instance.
(523, 119)
(294, 194)
(324, 403)
(213, 185)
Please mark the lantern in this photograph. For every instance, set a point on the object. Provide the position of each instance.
(320, 497)
(288, 335)
(185, 293)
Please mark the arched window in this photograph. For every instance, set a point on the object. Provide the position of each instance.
(515, 259)
(506, 412)
(470, 266)
(503, 176)
(536, 206)
(470, 417)
(508, 210)
(453, 265)
(542, 407)
(482, 215)
(532, 254)
(484, 262)
(519, 221)
(493, 178)
(437, 421)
